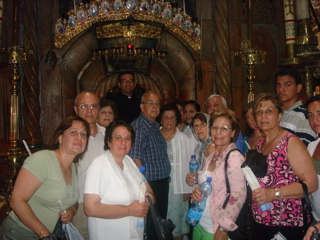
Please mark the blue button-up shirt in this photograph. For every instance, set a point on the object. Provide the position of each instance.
(151, 148)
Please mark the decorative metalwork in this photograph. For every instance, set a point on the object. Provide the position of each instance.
(152, 12)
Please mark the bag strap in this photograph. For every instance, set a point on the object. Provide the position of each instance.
(226, 178)
(155, 217)
(306, 203)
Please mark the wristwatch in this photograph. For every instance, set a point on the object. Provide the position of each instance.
(277, 193)
(222, 229)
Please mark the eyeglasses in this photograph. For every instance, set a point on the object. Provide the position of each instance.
(224, 129)
(150, 104)
(126, 80)
(268, 112)
(86, 106)
(120, 139)
(201, 125)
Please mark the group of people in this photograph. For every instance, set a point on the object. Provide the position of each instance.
(92, 162)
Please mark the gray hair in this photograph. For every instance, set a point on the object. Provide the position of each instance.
(149, 92)
(224, 101)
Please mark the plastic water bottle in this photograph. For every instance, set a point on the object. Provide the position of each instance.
(194, 167)
(142, 193)
(197, 208)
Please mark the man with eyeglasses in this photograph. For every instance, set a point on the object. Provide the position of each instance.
(128, 103)
(150, 150)
(87, 107)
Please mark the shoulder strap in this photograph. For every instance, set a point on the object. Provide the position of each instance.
(226, 178)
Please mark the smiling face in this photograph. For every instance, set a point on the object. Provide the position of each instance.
(87, 107)
(188, 112)
(150, 106)
(127, 84)
(221, 132)
(120, 143)
(267, 116)
(200, 129)
(73, 141)
(105, 116)
(314, 116)
(213, 104)
(169, 120)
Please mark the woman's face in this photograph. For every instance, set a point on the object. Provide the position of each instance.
(188, 112)
(168, 120)
(200, 129)
(314, 116)
(267, 116)
(250, 119)
(221, 132)
(120, 143)
(105, 116)
(73, 141)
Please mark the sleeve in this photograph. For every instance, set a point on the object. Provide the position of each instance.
(238, 192)
(304, 132)
(95, 181)
(38, 164)
(137, 148)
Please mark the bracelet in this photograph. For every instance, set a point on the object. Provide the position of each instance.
(317, 229)
(42, 232)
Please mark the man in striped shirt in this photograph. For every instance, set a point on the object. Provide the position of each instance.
(294, 118)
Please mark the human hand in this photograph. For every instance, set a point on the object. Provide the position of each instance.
(211, 147)
(68, 215)
(263, 195)
(220, 235)
(196, 195)
(186, 196)
(153, 198)
(137, 209)
(191, 179)
(310, 231)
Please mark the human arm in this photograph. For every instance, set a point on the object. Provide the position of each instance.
(220, 235)
(25, 186)
(150, 193)
(70, 213)
(302, 165)
(94, 208)
(137, 162)
(310, 231)
(191, 179)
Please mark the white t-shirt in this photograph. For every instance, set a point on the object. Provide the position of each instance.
(111, 184)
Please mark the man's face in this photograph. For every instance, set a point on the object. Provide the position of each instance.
(151, 106)
(287, 90)
(127, 84)
(213, 104)
(87, 107)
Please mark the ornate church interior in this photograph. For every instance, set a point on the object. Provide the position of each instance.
(181, 49)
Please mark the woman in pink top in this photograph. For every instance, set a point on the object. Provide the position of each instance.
(288, 161)
(216, 221)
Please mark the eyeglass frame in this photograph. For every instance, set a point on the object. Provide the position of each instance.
(224, 129)
(202, 125)
(84, 106)
(150, 104)
(127, 80)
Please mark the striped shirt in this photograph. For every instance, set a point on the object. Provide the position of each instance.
(151, 148)
(295, 120)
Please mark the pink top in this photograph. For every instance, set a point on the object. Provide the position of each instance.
(226, 217)
(279, 174)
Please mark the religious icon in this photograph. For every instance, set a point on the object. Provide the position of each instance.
(197, 32)
(60, 28)
(144, 6)
(131, 5)
(105, 7)
(82, 16)
(166, 13)
(186, 25)
(72, 22)
(93, 10)
(156, 9)
(117, 5)
(177, 19)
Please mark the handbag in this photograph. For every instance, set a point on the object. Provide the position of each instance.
(243, 220)
(58, 233)
(164, 227)
(306, 206)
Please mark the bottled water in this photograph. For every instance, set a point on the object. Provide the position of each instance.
(197, 208)
(142, 193)
(194, 167)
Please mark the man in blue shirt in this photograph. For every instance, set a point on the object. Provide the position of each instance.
(150, 150)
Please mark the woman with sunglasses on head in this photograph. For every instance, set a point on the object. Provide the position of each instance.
(218, 219)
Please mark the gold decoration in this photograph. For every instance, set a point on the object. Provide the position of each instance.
(66, 31)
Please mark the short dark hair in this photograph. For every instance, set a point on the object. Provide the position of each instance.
(105, 102)
(195, 104)
(291, 72)
(112, 126)
(63, 126)
(249, 130)
(124, 73)
(170, 107)
(315, 98)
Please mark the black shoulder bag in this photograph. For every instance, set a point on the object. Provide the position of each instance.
(244, 217)
(58, 233)
(164, 227)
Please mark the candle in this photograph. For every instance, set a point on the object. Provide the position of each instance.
(74, 6)
(130, 46)
(302, 9)
(290, 29)
(184, 6)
